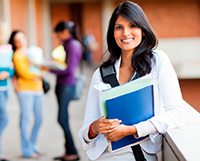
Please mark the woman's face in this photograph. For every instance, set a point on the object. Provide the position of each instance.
(126, 35)
(20, 40)
(63, 35)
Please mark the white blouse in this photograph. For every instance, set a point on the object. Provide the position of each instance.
(168, 108)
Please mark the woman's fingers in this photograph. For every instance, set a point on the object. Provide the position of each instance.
(107, 137)
(109, 122)
(108, 125)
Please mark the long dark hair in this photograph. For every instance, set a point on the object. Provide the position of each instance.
(72, 27)
(141, 58)
(11, 40)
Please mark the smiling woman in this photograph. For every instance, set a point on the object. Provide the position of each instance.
(131, 43)
(127, 38)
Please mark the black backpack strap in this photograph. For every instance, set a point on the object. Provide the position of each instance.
(108, 75)
(137, 152)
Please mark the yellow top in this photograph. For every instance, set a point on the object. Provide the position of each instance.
(25, 79)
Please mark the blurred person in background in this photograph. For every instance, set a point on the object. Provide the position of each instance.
(5, 73)
(90, 45)
(30, 94)
(69, 34)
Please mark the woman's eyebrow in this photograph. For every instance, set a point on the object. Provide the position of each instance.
(117, 24)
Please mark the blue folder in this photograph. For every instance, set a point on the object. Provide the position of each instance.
(131, 108)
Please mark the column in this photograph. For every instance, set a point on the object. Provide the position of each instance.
(32, 29)
(107, 9)
(47, 31)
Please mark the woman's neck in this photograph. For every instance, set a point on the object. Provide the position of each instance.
(23, 50)
(126, 59)
(126, 70)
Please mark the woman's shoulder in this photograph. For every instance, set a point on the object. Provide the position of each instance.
(75, 43)
(159, 53)
(96, 74)
(97, 81)
(17, 53)
(96, 77)
(159, 56)
(160, 60)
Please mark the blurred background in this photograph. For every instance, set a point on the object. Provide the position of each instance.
(176, 23)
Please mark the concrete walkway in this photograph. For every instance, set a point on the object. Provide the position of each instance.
(50, 139)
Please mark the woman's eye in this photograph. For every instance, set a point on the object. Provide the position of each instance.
(118, 27)
(132, 26)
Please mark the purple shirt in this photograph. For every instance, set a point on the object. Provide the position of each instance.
(73, 56)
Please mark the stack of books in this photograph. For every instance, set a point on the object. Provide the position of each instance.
(132, 102)
(36, 57)
(6, 54)
(58, 61)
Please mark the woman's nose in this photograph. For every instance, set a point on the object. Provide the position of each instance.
(126, 31)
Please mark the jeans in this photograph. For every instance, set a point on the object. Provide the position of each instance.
(3, 113)
(30, 102)
(64, 94)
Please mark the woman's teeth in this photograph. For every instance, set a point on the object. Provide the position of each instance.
(127, 40)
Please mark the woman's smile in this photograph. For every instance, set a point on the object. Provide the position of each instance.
(127, 40)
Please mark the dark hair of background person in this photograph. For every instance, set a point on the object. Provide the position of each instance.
(73, 28)
(11, 40)
(141, 58)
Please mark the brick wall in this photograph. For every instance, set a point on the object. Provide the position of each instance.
(19, 15)
(190, 90)
(88, 21)
(59, 12)
(173, 18)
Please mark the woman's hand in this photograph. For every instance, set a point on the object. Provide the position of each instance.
(46, 69)
(15, 84)
(4, 75)
(103, 126)
(108, 125)
(120, 132)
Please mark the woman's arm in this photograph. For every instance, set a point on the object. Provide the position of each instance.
(21, 67)
(170, 93)
(92, 112)
(94, 123)
(7, 72)
(72, 60)
(167, 89)
(4, 75)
